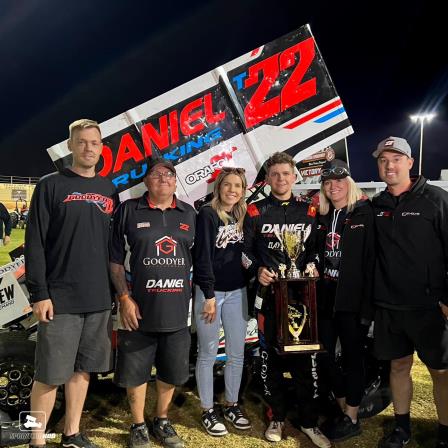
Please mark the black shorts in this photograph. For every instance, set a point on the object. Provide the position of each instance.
(139, 351)
(398, 333)
(73, 343)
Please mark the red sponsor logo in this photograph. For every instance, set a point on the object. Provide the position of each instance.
(166, 245)
(312, 211)
(193, 118)
(105, 204)
(252, 210)
(183, 226)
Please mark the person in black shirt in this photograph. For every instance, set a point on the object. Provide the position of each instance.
(262, 255)
(411, 284)
(5, 219)
(346, 253)
(151, 265)
(221, 296)
(66, 257)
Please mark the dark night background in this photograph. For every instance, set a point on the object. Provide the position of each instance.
(63, 60)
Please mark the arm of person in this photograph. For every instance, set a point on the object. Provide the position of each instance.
(128, 307)
(250, 230)
(35, 260)
(367, 308)
(204, 277)
(129, 310)
(442, 230)
(311, 248)
(6, 218)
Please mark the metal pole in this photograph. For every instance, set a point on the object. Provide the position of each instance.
(421, 147)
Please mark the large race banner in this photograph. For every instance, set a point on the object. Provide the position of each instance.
(278, 97)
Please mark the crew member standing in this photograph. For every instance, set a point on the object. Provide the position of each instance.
(262, 256)
(411, 289)
(151, 246)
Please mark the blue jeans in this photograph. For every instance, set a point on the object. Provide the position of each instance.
(231, 310)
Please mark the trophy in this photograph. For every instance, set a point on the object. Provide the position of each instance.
(295, 298)
(297, 319)
(293, 246)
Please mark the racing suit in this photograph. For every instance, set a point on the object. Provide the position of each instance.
(264, 222)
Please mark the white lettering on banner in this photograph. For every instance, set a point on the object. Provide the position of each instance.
(165, 283)
(174, 262)
(277, 228)
(276, 245)
(202, 173)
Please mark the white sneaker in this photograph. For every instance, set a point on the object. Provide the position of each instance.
(317, 437)
(212, 423)
(274, 431)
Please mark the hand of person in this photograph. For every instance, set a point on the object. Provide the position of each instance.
(444, 309)
(265, 276)
(129, 313)
(6, 240)
(43, 310)
(209, 310)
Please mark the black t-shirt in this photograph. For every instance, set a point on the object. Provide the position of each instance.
(66, 242)
(154, 246)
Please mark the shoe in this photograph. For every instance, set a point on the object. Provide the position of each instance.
(316, 436)
(342, 429)
(235, 416)
(274, 431)
(139, 437)
(396, 439)
(166, 434)
(78, 440)
(212, 423)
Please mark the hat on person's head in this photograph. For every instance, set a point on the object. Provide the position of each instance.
(397, 144)
(334, 169)
(154, 161)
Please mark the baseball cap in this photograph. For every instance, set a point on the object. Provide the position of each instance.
(334, 169)
(397, 144)
(154, 161)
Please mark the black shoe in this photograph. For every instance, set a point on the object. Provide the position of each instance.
(212, 424)
(166, 434)
(342, 429)
(139, 437)
(234, 415)
(442, 444)
(78, 440)
(398, 438)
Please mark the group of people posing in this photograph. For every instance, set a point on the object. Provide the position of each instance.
(384, 261)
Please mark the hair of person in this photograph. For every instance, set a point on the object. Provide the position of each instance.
(83, 123)
(354, 194)
(278, 158)
(239, 209)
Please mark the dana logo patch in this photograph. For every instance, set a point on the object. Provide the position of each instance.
(141, 225)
